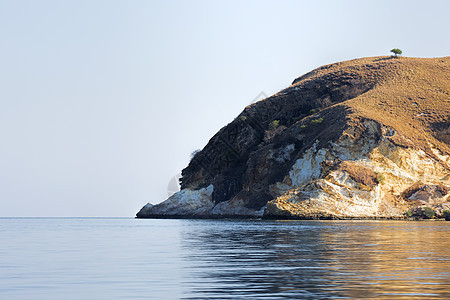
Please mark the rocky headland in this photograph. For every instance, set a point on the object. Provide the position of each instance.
(361, 139)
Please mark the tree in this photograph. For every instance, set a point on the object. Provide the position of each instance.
(396, 51)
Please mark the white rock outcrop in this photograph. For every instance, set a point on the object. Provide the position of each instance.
(311, 190)
(188, 203)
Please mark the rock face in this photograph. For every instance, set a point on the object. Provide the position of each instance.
(366, 138)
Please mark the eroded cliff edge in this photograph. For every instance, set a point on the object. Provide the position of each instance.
(366, 138)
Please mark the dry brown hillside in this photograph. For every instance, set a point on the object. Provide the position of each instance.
(409, 94)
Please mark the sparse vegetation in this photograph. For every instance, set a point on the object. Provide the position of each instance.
(397, 51)
(317, 121)
(312, 111)
(274, 124)
(243, 118)
(428, 212)
(303, 126)
(420, 213)
(380, 178)
(274, 129)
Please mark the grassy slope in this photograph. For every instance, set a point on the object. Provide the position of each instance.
(411, 95)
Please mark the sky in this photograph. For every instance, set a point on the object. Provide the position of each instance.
(103, 102)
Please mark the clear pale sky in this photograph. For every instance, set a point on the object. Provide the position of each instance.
(102, 102)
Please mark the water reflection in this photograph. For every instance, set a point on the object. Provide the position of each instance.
(316, 259)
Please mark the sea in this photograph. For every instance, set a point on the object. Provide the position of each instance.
(127, 258)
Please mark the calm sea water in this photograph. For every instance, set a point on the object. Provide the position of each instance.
(124, 258)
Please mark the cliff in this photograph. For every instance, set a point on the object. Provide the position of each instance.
(365, 138)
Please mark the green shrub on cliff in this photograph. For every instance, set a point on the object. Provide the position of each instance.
(274, 124)
(421, 213)
(380, 178)
(317, 121)
(428, 212)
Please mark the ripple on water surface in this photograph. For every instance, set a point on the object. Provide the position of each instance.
(124, 258)
(320, 259)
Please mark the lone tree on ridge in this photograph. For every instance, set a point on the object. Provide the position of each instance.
(396, 51)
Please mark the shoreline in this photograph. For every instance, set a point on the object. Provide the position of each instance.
(290, 218)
